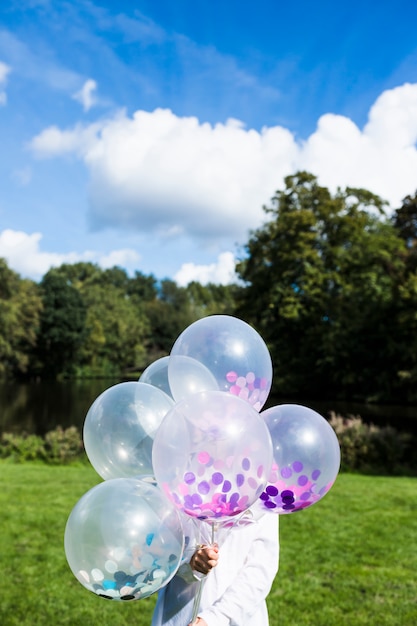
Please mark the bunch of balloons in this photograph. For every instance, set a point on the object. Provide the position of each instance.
(189, 439)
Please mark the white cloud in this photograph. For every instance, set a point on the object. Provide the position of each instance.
(220, 273)
(381, 158)
(86, 95)
(55, 142)
(122, 258)
(23, 254)
(4, 71)
(22, 176)
(159, 173)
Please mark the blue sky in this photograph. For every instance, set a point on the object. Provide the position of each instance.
(148, 134)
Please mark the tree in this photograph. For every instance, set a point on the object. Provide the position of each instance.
(142, 287)
(405, 220)
(211, 299)
(321, 282)
(62, 326)
(20, 307)
(116, 328)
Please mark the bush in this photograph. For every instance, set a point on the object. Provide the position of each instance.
(22, 447)
(373, 449)
(63, 446)
(365, 448)
(58, 446)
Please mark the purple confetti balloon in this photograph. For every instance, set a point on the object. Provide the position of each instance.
(306, 459)
(205, 432)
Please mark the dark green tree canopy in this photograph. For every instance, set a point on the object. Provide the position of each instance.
(62, 325)
(322, 283)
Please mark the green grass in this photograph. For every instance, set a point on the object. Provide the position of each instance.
(351, 559)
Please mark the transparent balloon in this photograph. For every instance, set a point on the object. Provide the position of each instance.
(306, 459)
(123, 540)
(212, 455)
(234, 353)
(156, 374)
(120, 427)
(188, 376)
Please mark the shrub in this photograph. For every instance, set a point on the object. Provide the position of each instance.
(63, 446)
(373, 449)
(58, 446)
(22, 447)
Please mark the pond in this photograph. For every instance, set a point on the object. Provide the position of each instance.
(40, 407)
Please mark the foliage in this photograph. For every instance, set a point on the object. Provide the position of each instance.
(59, 446)
(374, 449)
(328, 288)
(64, 445)
(62, 326)
(20, 308)
(365, 448)
(329, 281)
(347, 561)
(22, 447)
(115, 325)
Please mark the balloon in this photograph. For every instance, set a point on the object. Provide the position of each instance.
(123, 541)
(188, 376)
(120, 427)
(306, 458)
(212, 455)
(156, 374)
(232, 351)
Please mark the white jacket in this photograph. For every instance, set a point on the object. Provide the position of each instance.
(234, 592)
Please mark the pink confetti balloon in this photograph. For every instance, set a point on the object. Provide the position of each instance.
(212, 455)
(231, 351)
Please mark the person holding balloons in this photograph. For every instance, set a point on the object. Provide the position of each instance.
(212, 456)
(237, 577)
(195, 480)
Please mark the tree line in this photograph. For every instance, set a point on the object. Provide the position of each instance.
(329, 281)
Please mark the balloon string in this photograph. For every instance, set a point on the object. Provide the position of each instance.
(201, 581)
(197, 599)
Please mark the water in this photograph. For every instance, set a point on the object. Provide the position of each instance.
(40, 407)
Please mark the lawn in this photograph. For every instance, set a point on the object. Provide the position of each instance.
(351, 559)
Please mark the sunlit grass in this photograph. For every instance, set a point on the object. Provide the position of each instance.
(350, 559)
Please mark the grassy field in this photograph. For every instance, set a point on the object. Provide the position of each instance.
(351, 559)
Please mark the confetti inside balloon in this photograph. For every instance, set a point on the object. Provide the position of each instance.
(306, 461)
(232, 351)
(123, 540)
(212, 455)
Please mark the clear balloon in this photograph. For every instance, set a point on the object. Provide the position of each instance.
(156, 374)
(123, 540)
(306, 458)
(188, 376)
(212, 455)
(234, 353)
(120, 427)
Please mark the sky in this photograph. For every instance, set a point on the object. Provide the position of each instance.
(149, 134)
